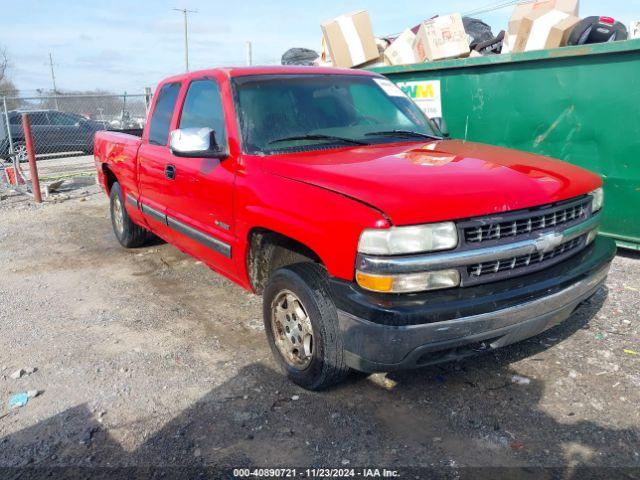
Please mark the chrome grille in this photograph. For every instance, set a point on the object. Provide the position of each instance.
(526, 223)
(524, 261)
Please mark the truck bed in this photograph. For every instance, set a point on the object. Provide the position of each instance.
(118, 151)
(105, 141)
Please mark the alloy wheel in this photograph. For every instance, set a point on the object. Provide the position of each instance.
(292, 329)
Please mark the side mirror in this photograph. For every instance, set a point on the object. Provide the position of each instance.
(195, 143)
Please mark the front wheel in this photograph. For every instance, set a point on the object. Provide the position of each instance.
(301, 323)
(128, 233)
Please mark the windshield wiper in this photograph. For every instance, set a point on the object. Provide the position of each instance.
(403, 133)
(319, 137)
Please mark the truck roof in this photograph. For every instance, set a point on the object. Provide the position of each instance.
(273, 70)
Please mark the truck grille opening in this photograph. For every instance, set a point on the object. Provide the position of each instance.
(526, 222)
(526, 262)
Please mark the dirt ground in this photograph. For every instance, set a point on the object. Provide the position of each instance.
(146, 357)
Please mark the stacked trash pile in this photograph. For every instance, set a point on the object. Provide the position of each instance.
(349, 41)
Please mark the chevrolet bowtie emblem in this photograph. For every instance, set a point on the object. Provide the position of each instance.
(547, 242)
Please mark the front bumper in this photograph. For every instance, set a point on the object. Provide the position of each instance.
(385, 332)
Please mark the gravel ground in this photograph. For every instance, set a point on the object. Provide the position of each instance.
(55, 166)
(146, 357)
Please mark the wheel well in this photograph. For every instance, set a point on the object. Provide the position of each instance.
(269, 250)
(109, 176)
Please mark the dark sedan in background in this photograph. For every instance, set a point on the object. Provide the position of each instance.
(52, 131)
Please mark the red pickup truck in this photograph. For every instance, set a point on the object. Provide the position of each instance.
(376, 242)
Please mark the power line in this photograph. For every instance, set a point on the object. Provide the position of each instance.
(496, 6)
(485, 9)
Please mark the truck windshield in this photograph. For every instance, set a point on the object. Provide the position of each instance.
(285, 113)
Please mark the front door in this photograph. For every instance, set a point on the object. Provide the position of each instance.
(201, 205)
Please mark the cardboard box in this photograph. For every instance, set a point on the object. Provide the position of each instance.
(560, 32)
(400, 52)
(507, 43)
(350, 40)
(378, 62)
(522, 10)
(544, 29)
(440, 38)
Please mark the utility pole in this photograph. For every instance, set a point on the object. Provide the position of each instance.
(53, 80)
(186, 35)
(249, 54)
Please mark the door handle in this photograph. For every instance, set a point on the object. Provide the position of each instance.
(170, 172)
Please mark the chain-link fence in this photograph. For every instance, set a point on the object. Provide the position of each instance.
(63, 128)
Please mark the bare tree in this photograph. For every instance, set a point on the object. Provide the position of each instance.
(7, 87)
(4, 63)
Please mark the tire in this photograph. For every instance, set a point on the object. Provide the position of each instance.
(128, 233)
(324, 364)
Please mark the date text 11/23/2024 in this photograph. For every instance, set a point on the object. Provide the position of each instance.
(315, 473)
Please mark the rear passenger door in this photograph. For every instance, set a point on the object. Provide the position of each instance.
(153, 160)
(201, 206)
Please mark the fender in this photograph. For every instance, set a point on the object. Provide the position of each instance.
(327, 222)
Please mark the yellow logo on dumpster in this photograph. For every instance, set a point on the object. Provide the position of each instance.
(420, 91)
(426, 94)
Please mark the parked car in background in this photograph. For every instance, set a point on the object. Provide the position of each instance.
(124, 121)
(53, 132)
(377, 244)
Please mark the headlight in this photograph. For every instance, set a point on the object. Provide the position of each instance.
(409, 282)
(597, 201)
(402, 240)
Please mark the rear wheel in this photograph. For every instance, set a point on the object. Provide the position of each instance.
(128, 233)
(301, 323)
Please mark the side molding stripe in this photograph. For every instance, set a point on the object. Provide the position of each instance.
(153, 213)
(194, 234)
(132, 200)
(200, 237)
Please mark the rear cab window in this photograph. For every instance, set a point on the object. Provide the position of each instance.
(162, 114)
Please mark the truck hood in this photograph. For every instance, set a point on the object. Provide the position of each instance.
(436, 181)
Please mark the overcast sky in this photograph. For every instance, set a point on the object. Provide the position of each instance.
(126, 45)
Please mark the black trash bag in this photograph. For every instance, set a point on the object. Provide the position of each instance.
(299, 56)
(597, 30)
(492, 46)
(477, 30)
